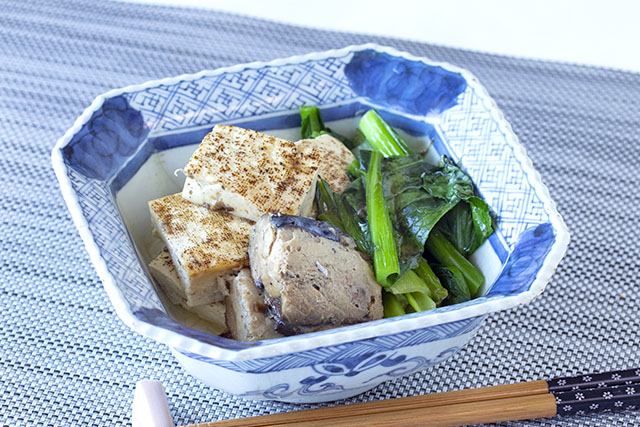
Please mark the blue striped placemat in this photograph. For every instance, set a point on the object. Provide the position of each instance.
(66, 359)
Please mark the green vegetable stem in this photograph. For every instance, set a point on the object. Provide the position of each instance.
(381, 136)
(391, 305)
(420, 302)
(313, 126)
(385, 252)
(437, 292)
(446, 253)
(415, 290)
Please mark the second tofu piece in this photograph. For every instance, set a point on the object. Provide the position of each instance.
(247, 311)
(250, 173)
(211, 316)
(335, 160)
(312, 275)
(205, 246)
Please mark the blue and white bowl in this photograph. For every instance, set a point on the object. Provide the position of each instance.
(124, 149)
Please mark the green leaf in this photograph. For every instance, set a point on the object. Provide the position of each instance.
(452, 279)
(407, 283)
(442, 250)
(418, 195)
(482, 221)
(467, 225)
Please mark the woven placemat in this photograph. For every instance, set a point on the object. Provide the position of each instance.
(66, 359)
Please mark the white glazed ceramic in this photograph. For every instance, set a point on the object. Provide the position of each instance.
(123, 150)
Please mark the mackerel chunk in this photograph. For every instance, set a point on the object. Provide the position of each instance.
(312, 275)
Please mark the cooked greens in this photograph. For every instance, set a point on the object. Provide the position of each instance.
(400, 209)
(384, 250)
(442, 250)
(313, 126)
(381, 136)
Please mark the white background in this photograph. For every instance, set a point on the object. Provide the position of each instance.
(604, 33)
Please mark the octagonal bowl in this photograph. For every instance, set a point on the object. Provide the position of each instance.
(123, 151)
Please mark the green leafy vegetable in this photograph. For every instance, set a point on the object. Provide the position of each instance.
(419, 195)
(447, 254)
(385, 252)
(345, 211)
(381, 136)
(415, 290)
(452, 279)
(420, 302)
(397, 207)
(467, 225)
(313, 126)
(409, 282)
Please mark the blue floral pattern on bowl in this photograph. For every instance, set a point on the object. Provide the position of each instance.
(124, 129)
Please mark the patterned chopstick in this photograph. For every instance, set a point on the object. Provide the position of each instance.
(599, 392)
(603, 399)
(587, 381)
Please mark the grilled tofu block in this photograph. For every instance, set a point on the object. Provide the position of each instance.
(250, 173)
(312, 275)
(247, 311)
(210, 316)
(205, 246)
(335, 159)
(166, 275)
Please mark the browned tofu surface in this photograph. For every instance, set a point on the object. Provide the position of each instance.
(335, 159)
(251, 173)
(204, 244)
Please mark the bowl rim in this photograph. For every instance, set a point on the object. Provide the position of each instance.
(287, 345)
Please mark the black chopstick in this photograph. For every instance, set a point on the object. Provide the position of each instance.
(599, 380)
(602, 399)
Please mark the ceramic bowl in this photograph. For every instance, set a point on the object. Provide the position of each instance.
(123, 151)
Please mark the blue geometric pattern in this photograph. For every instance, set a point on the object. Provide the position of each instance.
(110, 235)
(246, 93)
(482, 148)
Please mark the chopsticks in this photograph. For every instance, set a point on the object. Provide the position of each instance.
(582, 394)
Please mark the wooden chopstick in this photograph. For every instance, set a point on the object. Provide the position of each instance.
(486, 411)
(509, 402)
(412, 403)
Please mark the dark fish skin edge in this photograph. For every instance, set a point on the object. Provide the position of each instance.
(273, 311)
(318, 228)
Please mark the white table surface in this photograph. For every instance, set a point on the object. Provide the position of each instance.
(603, 33)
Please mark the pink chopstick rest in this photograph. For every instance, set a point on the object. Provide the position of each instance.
(150, 407)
